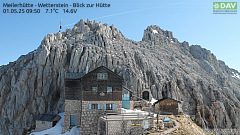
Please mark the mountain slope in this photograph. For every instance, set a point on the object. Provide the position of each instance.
(34, 84)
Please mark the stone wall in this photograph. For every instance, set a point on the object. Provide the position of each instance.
(101, 126)
(89, 119)
(42, 125)
(131, 104)
(115, 127)
(118, 127)
(72, 107)
(141, 105)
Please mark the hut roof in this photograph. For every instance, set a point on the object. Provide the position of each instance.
(74, 75)
(102, 67)
(160, 100)
(48, 117)
(83, 75)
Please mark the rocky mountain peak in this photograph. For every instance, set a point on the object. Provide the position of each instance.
(86, 31)
(89, 28)
(155, 33)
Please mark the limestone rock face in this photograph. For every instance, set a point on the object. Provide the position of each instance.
(34, 84)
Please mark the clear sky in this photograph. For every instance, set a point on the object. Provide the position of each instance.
(191, 21)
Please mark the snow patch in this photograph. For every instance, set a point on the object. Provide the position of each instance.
(135, 111)
(155, 31)
(57, 129)
(236, 75)
(153, 101)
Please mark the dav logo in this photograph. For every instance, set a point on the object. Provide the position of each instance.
(225, 5)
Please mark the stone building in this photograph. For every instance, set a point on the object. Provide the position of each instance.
(168, 106)
(89, 96)
(46, 121)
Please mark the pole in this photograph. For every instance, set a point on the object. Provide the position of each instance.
(60, 25)
(107, 124)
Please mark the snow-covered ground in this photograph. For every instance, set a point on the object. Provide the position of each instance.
(134, 111)
(153, 101)
(57, 129)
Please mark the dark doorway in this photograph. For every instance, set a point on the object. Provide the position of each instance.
(54, 123)
(145, 95)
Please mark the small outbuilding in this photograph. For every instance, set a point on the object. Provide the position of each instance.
(46, 121)
(168, 106)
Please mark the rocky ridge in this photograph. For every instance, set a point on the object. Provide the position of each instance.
(34, 84)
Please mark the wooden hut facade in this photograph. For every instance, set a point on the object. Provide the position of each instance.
(168, 106)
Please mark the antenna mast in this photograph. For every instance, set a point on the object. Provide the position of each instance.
(60, 25)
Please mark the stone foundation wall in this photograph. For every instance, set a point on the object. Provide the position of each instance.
(117, 127)
(90, 117)
(101, 126)
(42, 125)
(131, 104)
(72, 107)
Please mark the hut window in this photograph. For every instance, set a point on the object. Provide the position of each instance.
(109, 89)
(72, 120)
(94, 106)
(94, 89)
(109, 106)
(102, 76)
(168, 103)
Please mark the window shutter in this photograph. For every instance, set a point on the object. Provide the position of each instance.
(90, 106)
(99, 106)
(113, 106)
(104, 106)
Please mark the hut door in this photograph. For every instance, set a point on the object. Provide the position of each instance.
(145, 95)
(125, 99)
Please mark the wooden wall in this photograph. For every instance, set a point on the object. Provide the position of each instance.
(74, 87)
(167, 106)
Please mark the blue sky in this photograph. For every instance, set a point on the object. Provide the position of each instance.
(191, 21)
